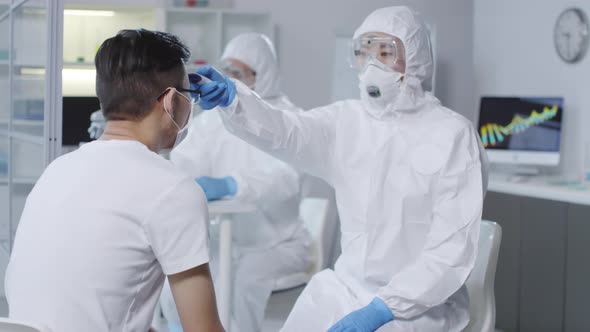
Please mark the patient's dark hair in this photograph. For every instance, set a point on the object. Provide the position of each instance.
(134, 67)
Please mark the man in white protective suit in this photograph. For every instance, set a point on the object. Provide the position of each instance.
(409, 174)
(272, 242)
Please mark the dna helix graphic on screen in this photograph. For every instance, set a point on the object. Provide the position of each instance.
(493, 133)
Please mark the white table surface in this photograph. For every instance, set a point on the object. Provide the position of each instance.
(230, 207)
(550, 188)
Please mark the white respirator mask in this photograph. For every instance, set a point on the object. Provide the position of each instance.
(379, 86)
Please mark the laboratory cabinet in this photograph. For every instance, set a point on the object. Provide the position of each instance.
(543, 274)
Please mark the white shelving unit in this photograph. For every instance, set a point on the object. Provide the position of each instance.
(86, 27)
(22, 181)
(207, 30)
(30, 46)
(78, 65)
(18, 122)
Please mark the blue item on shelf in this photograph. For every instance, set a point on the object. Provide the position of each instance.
(3, 165)
(30, 109)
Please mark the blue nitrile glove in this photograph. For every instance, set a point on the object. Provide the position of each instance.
(221, 91)
(217, 188)
(367, 319)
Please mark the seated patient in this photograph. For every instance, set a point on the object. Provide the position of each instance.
(105, 224)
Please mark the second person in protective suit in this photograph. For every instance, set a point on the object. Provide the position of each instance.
(272, 242)
(409, 175)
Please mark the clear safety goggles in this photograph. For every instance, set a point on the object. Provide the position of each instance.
(383, 50)
(247, 77)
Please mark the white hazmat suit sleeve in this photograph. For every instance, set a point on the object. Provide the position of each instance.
(449, 253)
(301, 139)
(276, 182)
(191, 156)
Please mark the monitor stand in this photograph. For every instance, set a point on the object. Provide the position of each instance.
(526, 171)
(516, 173)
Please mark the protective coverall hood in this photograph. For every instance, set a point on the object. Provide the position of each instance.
(257, 51)
(405, 24)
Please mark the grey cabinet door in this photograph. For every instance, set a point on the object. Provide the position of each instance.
(506, 211)
(577, 307)
(542, 265)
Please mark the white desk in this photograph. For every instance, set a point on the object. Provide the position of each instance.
(541, 187)
(222, 212)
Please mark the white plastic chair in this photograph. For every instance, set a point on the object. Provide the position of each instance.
(4, 259)
(314, 213)
(480, 284)
(9, 325)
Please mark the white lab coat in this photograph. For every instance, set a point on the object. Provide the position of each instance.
(409, 186)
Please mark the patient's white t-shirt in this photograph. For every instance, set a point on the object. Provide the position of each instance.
(99, 231)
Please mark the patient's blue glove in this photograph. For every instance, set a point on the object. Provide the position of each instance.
(367, 319)
(217, 188)
(221, 91)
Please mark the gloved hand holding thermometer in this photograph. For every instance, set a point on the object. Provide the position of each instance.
(215, 89)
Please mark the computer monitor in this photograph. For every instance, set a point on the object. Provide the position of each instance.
(76, 119)
(521, 131)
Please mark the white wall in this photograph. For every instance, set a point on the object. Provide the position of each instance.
(514, 54)
(306, 32)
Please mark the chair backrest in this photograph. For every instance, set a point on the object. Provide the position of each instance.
(314, 212)
(4, 259)
(480, 284)
(10, 325)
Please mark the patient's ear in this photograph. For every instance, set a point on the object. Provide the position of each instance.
(168, 101)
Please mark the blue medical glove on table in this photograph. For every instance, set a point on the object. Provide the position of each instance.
(221, 91)
(367, 319)
(217, 188)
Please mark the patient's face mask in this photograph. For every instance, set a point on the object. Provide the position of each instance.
(182, 131)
